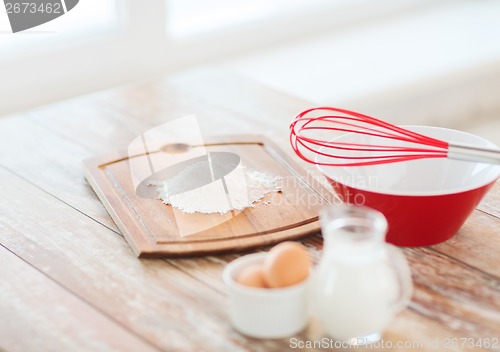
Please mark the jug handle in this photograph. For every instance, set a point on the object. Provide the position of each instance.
(403, 275)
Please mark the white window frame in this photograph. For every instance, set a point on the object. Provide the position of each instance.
(124, 55)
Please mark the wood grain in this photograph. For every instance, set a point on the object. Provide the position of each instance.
(57, 320)
(153, 229)
(50, 162)
(455, 294)
(491, 202)
(459, 297)
(476, 243)
(51, 218)
(150, 297)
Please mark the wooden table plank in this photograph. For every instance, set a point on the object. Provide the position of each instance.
(477, 243)
(55, 139)
(170, 309)
(491, 202)
(219, 104)
(49, 162)
(458, 296)
(57, 320)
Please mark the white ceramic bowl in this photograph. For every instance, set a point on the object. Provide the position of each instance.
(264, 312)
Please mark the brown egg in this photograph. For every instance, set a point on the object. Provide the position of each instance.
(252, 276)
(286, 264)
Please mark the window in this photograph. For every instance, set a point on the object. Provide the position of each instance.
(190, 17)
(113, 42)
(90, 17)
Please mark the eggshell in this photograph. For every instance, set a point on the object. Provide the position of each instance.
(286, 264)
(252, 276)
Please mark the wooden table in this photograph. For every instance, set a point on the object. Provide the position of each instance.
(69, 282)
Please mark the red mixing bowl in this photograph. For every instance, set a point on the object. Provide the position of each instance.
(425, 201)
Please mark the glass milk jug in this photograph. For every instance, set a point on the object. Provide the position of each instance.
(361, 281)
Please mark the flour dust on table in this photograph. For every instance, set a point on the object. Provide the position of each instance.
(239, 189)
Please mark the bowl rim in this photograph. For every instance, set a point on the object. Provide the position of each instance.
(324, 170)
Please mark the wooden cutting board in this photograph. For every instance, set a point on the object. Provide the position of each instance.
(154, 229)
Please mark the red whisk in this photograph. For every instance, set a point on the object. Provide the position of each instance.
(396, 143)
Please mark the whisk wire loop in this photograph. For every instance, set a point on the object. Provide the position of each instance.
(406, 145)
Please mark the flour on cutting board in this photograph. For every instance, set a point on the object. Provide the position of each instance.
(241, 188)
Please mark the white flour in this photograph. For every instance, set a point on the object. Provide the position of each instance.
(193, 191)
